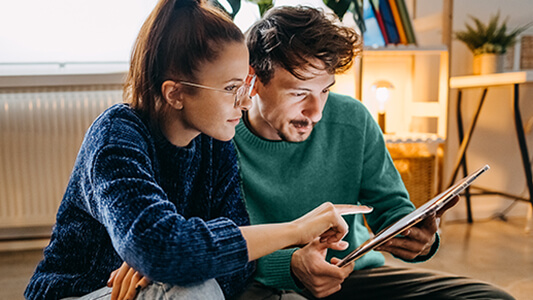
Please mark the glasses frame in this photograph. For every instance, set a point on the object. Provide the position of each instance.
(239, 94)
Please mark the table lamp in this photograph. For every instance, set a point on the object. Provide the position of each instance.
(382, 91)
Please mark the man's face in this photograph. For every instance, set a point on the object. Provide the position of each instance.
(287, 108)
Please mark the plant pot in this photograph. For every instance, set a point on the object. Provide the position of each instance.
(488, 63)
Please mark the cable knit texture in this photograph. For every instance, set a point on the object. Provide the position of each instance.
(172, 213)
(343, 161)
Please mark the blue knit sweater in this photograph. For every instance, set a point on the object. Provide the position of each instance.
(171, 213)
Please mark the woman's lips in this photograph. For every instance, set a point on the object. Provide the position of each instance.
(234, 121)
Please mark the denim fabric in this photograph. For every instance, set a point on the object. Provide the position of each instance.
(162, 291)
(391, 283)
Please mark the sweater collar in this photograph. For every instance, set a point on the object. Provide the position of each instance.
(171, 153)
(244, 131)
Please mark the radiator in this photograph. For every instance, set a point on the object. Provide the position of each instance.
(41, 130)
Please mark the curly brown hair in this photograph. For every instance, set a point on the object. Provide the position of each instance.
(290, 37)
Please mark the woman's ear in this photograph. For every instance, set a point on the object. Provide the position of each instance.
(172, 94)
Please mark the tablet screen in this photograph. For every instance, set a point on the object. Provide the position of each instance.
(429, 208)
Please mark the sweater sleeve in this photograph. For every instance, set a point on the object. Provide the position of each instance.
(145, 228)
(231, 205)
(275, 270)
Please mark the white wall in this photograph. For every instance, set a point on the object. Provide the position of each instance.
(70, 30)
(494, 141)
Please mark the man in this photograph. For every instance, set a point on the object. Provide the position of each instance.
(300, 145)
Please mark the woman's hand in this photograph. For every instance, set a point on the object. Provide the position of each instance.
(326, 221)
(126, 283)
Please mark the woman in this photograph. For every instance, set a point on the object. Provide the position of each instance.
(156, 184)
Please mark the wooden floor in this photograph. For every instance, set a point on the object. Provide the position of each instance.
(495, 251)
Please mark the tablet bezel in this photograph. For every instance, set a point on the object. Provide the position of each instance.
(429, 208)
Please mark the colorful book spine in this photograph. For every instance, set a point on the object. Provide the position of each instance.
(406, 21)
(398, 22)
(372, 36)
(374, 7)
(388, 20)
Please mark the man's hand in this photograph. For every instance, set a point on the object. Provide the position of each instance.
(416, 240)
(126, 283)
(321, 278)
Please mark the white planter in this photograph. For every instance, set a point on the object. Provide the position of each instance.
(488, 63)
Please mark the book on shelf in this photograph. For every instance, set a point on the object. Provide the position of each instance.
(388, 21)
(406, 21)
(398, 21)
(373, 35)
(377, 14)
(392, 18)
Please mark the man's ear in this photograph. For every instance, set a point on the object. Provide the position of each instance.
(172, 94)
(253, 90)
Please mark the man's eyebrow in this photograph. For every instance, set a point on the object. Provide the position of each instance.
(331, 84)
(308, 90)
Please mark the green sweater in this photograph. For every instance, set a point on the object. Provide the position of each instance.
(344, 161)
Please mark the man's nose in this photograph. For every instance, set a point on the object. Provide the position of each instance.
(313, 108)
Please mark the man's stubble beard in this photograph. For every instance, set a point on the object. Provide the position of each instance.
(297, 124)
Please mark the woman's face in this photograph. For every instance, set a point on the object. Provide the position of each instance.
(212, 111)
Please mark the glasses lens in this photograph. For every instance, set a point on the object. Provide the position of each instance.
(244, 90)
(241, 93)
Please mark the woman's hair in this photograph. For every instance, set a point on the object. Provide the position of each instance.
(290, 37)
(176, 38)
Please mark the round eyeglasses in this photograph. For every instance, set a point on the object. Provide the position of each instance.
(240, 93)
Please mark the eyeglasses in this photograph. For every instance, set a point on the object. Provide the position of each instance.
(240, 93)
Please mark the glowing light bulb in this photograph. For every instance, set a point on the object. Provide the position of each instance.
(382, 92)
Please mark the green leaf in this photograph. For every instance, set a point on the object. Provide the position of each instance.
(235, 6)
(339, 7)
(493, 24)
(264, 5)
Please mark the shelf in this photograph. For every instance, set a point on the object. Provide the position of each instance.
(491, 79)
(419, 100)
(393, 50)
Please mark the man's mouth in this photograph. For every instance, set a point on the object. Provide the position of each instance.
(301, 124)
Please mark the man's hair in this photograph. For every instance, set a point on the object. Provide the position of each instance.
(177, 37)
(291, 37)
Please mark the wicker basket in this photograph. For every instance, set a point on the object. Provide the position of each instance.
(417, 168)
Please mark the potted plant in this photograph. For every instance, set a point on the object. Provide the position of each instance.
(488, 42)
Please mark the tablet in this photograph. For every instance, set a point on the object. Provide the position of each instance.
(429, 208)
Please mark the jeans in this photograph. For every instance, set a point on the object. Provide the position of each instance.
(391, 283)
(205, 290)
